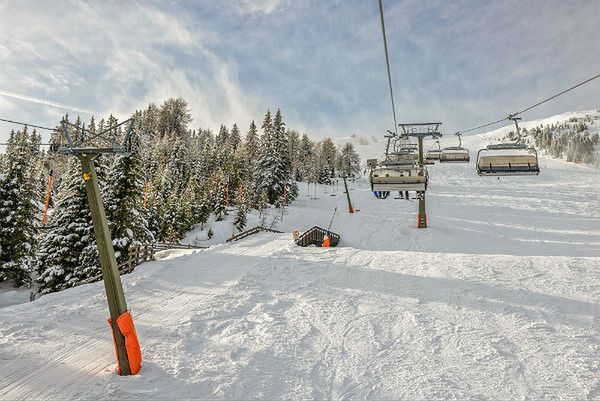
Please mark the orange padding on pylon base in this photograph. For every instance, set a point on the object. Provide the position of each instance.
(132, 345)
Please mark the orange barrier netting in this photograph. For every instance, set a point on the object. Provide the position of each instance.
(132, 344)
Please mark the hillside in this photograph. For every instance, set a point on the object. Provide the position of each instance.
(498, 298)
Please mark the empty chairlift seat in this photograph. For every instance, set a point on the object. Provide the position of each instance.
(433, 154)
(454, 155)
(508, 159)
(398, 178)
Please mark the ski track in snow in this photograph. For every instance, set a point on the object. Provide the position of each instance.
(498, 299)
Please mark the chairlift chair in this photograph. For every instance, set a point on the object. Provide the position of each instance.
(399, 178)
(455, 154)
(507, 159)
(400, 158)
(433, 154)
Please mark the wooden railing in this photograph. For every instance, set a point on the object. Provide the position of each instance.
(251, 231)
(141, 253)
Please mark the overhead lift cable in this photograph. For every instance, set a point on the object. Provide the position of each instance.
(387, 63)
(531, 107)
(29, 125)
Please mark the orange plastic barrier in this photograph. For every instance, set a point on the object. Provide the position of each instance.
(132, 345)
(326, 242)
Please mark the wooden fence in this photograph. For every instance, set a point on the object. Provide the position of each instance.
(141, 253)
(251, 231)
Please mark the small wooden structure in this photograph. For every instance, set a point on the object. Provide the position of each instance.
(315, 236)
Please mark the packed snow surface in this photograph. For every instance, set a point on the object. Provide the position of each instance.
(499, 298)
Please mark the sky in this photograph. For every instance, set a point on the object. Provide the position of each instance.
(463, 63)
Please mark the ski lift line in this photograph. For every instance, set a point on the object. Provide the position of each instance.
(534, 106)
(40, 144)
(26, 124)
(387, 63)
(555, 96)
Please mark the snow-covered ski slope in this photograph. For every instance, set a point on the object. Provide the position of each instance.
(498, 299)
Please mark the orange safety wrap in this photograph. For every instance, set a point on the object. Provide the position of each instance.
(114, 342)
(326, 242)
(132, 345)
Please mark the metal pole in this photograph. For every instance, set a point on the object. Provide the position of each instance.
(422, 217)
(422, 213)
(110, 272)
(515, 119)
(350, 208)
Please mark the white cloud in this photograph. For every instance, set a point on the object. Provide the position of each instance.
(114, 60)
(45, 102)
(260, 6)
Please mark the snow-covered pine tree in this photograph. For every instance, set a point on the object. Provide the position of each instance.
(306, 153)
(251, 146)
(218, 194)
(294, 153)
(266, 179)
(17, 209)
(251, 152)
(204, 210)
(173, 118)
(235, 138)
(280, 142)
(169, 189)
(240, 214)
(349, 161)
(222, 138)
(59, 264)
(273, 170)
(328, 155)
(124, 200)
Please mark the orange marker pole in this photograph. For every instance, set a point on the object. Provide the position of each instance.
(227, 196)
(146, 195)
(48, 194)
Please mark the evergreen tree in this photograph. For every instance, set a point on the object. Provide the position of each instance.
(240, 216)
(218, 195)
(17, 209)
(124, 199)
(306, 158)
(70, 238)
(349, 161)
(252, 146)
(234, 139)
(222, 138)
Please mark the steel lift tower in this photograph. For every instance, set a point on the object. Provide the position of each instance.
(420, 131)
(87, 153)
